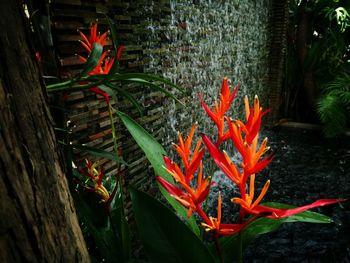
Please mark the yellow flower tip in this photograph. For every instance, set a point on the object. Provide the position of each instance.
(225, 78)
(256, 97)
(234, 200)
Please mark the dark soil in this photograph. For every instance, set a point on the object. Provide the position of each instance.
(307, 167)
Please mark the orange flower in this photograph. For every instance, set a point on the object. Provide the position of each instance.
(221, 107)
(247, 145)
(87, 43)
(246, 202)
(183, 149)
(192, 196)
(105, 64)
(214, 224)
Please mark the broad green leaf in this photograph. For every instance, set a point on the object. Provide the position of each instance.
(154, 153)
(102, 233)
(263, 226)
(99, 153)
(108, 90)
(120, 223)
(92, 61)
(230, 245)
(165, 237)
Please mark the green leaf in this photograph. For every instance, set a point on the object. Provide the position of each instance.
(152, 86)
(165, 237)
(114, 37)
(118, 219)
(92, 61)
(154, 153)
(103, 235)
(113, 89)
(230, 244)
(99, 153)
(150, 77)
(263, 226)
(113, 31)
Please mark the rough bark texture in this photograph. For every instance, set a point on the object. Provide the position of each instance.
(38, 222)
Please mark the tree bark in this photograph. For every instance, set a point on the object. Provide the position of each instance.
(38, 222)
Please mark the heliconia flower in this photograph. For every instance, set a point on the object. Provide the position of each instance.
(221, 107)
(87, 43)
(97, 176)
(105, 63)
(192, 197)
(223, 161)
(253, 118)
(247, 201)
(213, 224)
(252, 162)
(276, 213)
(183, 149)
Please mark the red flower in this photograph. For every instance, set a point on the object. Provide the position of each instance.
(221, 107)
(280, 213)
(105, 63)
(192, 196)
(214, 224)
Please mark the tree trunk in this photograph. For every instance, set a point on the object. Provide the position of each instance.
(38, 221)
(307, 96)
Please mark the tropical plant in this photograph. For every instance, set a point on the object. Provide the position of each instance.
(108, 235)
(317, 64)
(189, 186)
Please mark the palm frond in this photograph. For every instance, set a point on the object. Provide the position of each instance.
(332, 114)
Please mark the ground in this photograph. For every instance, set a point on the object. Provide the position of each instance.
(307, 167)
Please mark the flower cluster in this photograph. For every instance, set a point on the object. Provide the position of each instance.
(106, 62)
(96, 176)
(244, 135)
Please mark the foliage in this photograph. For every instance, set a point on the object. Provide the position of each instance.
(108, 235)
(254, 219)
(166, 237)
(326, 59)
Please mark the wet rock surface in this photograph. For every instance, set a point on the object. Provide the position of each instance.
(307, 167)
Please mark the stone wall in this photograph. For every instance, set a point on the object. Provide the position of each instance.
(193, 43)
(203, 42)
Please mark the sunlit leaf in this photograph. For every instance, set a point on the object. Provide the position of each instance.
(154, 153)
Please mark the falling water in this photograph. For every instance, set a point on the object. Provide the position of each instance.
(208, 41)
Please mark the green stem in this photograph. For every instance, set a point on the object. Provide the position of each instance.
(114, 136)
(218, 248)
(68, 86)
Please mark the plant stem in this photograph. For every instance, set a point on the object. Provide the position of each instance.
(218, 248)
(240, 248)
